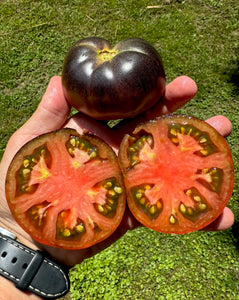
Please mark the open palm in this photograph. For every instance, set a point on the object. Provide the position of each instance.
(53, 113)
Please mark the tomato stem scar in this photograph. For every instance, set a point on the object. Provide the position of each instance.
(107, 54)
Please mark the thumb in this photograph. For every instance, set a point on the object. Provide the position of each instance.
(51, 114)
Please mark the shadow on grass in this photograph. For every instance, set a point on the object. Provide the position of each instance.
(233, 75)
(235, 233)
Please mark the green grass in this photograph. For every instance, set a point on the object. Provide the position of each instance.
(148, 265)
(195, 38)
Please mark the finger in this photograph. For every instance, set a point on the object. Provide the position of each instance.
(223, 222)
(177, 94)
(182, 88)
(221, 124)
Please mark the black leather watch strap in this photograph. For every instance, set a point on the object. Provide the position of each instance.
(31, 270)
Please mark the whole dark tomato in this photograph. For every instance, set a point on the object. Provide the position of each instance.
(66, 190)
(178, 173)
(111, 83)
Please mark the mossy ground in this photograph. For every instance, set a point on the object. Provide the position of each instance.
(195, 38)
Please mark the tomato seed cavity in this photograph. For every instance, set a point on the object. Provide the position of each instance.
(136, 148)
(68, 227)
(41, 157)
(140, 194)
(177, 131)
(112, 194)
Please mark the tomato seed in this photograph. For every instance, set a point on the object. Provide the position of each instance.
(138, 195)
(93, 154)
(73, 142)
(142, 200)
(28, 188)
(153, 209)
(175, 140)
(172, 220)
(110, 201)
(26, 172)
(204, 152)
(183, 130)
(182, 208)
(202, 140)
(70, 150)
(100, 208)
(173, 131)
(66, 232)
(197, 198)
(108, 207)
(108, 184)
(80, 228)
(202, 206)
(150, 140)
(190, 131)
(159, 205)
(118, 190)
(190, 211)
(111, 193)
(188, 193)
(26, 163)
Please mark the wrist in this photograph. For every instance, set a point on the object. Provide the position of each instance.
(14, 228)
(9, 291)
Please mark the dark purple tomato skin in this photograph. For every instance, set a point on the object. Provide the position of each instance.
(127, 84)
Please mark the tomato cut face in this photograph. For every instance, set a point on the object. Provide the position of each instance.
(66, 190)
(178, 173)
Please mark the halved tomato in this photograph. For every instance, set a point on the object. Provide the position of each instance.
(178, 172)
(66, 190)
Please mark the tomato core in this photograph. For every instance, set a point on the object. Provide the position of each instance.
(107, 54)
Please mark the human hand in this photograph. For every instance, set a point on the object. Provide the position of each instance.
(52, 113)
